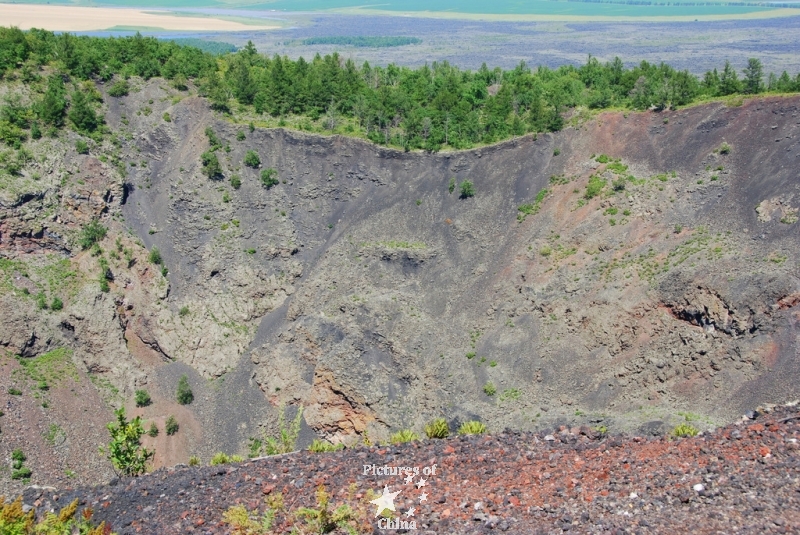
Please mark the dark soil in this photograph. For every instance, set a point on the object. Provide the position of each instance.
(742, 478)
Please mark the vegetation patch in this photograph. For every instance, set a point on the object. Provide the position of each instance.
(362, 41)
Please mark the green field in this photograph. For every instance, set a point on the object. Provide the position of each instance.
(472, 8)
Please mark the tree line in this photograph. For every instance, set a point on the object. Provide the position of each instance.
(429, 107)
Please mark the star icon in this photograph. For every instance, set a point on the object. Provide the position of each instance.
(423, 497)
(409, 478)
(420, 483)
(385, 500)
(411, 512)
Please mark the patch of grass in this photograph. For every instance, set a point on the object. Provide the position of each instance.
(611, 211)
(472, 428)
(489, 389)
(724, 148)
(471, 355)
(437, 428)
(531, 208)
(14, 391)
(50, 368)
(510, 394)
(403, 436)
(684, 430)
(219, 458)
(323, 446)
(54, 435)
(594, 187)
(153, 431)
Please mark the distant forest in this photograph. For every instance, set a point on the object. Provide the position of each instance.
(213, 47)
(373, 42)
(429, 107)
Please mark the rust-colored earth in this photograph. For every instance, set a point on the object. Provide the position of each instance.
(743, 478)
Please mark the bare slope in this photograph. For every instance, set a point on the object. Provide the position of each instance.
(379, 283)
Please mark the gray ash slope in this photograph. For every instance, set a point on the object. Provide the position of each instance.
(376, 284)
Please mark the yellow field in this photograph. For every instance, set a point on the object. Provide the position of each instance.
(83, 19)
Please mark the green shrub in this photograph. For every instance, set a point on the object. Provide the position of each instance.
(14, 391)
(472, 428)
(402, 436)
(236, 181)
(438, 428)
(724, 148)
(489, 389)
(166, 117)
(142, 398)
(104, 287)
(153, 431)
(56, 304)
(611, 211)
(251, 159)
(451, 186)
(155, 256)
(213, 140)
(125, 450)
(91, 233)
(467, 189)
(171, 425)
(684, 430)
(269, 177)
(556, 152)
(184, 311)
(211, 167)
(603, 158)
(322, 446)
(194, 460)
(21, 473)
(184, 394)
(594, 187)
(18, 456)
(120, 88)
(81, 147)
(240, 136)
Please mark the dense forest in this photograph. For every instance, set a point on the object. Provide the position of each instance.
(430, 107)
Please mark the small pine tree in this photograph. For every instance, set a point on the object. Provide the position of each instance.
(82, 114)
(142, 398)
(211, 167)
(184, 394)
(171, 426)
